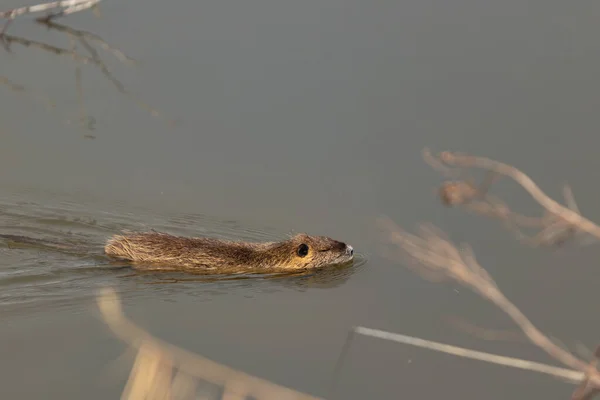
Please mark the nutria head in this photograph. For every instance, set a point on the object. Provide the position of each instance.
(308, 252)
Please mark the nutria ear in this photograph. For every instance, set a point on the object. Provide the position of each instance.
(300, 237)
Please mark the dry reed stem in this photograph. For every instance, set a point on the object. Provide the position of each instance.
(96, 60)
(568, 375)
(68, 6)
(432, 255)
(59, 51)
(558, 225)
(183, 386)
(154, 352)
(120, 55)
(150, 375)
(437, 255)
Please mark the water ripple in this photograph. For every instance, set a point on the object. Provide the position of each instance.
(60, 262)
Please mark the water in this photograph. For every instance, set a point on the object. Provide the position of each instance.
(282, 117)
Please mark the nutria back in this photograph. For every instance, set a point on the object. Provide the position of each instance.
(162, 251)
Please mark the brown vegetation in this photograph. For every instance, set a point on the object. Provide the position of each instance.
(434, 256)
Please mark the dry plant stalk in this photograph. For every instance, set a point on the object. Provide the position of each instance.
(558, 224)
(435, 257)
(153, 377)
(68, 6)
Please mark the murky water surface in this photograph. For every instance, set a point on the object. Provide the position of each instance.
(256, 120)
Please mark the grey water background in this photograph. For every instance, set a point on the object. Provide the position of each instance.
(295, 116)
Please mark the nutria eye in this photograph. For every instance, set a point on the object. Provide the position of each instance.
(302, 250)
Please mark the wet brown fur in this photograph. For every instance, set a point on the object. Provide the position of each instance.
(164, 251)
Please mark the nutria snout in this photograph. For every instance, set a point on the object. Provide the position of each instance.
(209, 255)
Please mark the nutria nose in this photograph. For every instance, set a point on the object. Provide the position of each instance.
(349, 249)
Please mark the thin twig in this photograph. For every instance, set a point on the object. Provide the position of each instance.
(93, 59)
(97, 61)
(436, 256)
(60, 51)
(340, 361)
(70, 6)
(569, 375)
(558, 225)
(571, 216)
(124, 58)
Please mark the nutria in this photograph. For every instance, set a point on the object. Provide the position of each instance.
(208, 255)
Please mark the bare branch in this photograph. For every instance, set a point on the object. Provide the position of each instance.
(435, 255)
(68, 6)
(10, 39)
(559, 224)
(432, 255)
(85, 39)
(124, 58)
(568, 375)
